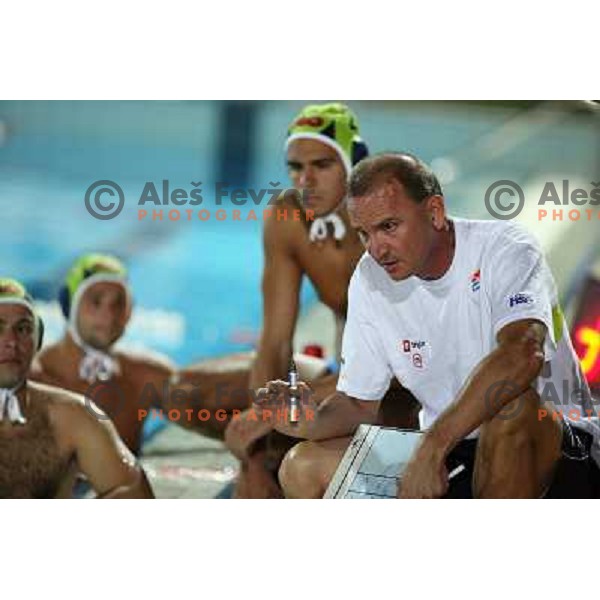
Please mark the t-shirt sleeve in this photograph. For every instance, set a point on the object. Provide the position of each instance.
(520, 283)
(365, 373)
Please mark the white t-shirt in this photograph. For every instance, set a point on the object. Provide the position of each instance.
(432, 334)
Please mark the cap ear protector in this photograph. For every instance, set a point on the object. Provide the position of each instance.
(64, 300)
(40, 332)
(39, 324)
(360, 150)
(13, 292)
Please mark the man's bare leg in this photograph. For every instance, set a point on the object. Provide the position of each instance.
(517, 451)
(255, 480)
(219, 386)
(258, 472)
(308, 467)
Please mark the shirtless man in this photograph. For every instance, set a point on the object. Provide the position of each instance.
(97, 302)
(322, 145)
(47, 435)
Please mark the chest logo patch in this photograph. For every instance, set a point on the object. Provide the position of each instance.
(417, 351)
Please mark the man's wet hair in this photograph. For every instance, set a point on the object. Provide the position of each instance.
(416, 177)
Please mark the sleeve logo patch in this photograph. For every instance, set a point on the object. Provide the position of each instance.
(519, 299)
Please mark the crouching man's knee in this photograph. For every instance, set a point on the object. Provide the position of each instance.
(517, 450)
(299, 472)
(517, 418)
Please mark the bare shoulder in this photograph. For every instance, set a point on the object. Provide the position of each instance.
(48, 353)
(44, 361)
(73, 417)
(79, 426)
(146, 362)
(67, 411)
(56, 398)
(286, 225)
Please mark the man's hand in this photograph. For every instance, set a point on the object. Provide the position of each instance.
(243, 431)
(426, 475)
(274, 404)
(271, 410)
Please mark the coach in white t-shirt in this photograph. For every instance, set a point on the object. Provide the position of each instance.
(465, 315)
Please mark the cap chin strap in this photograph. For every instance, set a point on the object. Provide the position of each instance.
(322, 227)
(95, 364)
(10, 405)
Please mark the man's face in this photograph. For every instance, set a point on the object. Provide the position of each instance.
(103, 314)
(318, 173)
(17, 344)
(395, 230)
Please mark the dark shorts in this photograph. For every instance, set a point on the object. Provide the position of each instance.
(460, 486)
(576, 476)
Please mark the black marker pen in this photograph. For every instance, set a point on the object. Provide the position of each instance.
(294, 400)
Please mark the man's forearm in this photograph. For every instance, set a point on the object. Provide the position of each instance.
(323, 387)
(336, 416)
(271, 363)
(497, 380)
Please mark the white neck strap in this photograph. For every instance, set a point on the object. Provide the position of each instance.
(95, 365)
(9, 405)
(322, 227)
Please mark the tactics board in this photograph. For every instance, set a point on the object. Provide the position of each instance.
(373, 462)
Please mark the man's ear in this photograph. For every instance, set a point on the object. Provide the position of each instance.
(436, 207)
